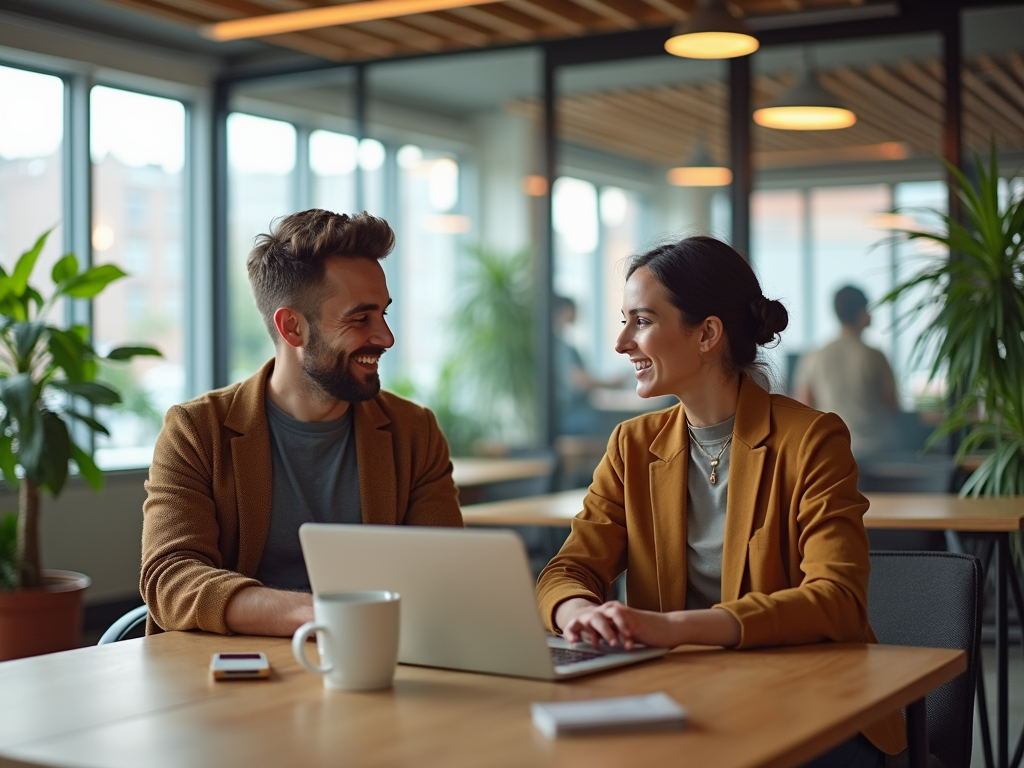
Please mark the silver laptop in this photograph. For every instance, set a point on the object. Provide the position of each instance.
(467, 598)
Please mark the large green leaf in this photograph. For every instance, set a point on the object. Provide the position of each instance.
(26, 336)
(53, 464)
(26, 263)
(32, 445)
(64, 269)
(92, 281)
(93, 391)
(89, 421)
(16, 393)
(69, 353)
(127, 353)
(87, 468)
(8, 463)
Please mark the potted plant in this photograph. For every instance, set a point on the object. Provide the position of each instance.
(48, 389)
(493, 326)
(973, 302)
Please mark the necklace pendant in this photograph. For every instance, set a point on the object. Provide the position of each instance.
(712, 478)
(714, 463)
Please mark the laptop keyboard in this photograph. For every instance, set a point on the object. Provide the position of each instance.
(563, 656)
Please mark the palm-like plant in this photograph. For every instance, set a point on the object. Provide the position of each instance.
(493, 328)
(47, 382)
(974, 302)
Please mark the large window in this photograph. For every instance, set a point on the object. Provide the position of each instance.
(261, 188)
(31, 164)
(138, 203)
(138, 154)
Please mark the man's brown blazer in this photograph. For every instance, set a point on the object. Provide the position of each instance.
(206, 518)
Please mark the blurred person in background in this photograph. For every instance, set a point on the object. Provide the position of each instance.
(573, 383)
(851, 379)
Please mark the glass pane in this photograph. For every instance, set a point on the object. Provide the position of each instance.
(332, 159)
(918, 201)
(31, 174)
(138, 156)
(456, 152)
(824, 206)
(261, 165)
(426, 257)
(778, 254)
(632, 135)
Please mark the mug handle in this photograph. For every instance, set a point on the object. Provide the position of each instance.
(299, 647)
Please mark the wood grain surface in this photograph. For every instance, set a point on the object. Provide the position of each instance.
(152, 702)
(921, 511)
(472, 471)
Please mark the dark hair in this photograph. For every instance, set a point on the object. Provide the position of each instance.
(286, 266)
(705, 277)
(850, 303)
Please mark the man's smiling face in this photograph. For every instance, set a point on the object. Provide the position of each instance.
(345, 344)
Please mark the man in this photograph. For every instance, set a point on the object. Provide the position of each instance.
(310, 437)
(851, 379)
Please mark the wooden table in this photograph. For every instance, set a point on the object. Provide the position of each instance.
(994, 518)
(151, 702)
(472, 474)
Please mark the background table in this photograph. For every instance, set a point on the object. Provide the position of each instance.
(994, 518)
(473, 474)
(152, 703)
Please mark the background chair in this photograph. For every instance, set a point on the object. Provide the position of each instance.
(933, 599)
(124, 626)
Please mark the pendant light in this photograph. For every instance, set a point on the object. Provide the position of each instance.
(700, 171)
(805, 107)
(712, 33)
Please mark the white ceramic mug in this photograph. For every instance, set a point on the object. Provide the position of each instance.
(357, 636)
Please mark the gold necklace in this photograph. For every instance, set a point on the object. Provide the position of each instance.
(714, 459)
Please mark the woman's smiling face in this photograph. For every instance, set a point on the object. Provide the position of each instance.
(666, 355)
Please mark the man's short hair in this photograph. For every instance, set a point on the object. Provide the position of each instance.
(286, 266)
(850, 304)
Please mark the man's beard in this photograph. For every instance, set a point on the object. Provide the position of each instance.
(333, 377)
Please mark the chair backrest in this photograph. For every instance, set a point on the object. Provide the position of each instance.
(933, 599)
(121, 628)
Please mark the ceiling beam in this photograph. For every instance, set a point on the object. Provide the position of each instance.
(1006, 83)
(505, 21)
(559, 14)
(611, 10)
(446, 26)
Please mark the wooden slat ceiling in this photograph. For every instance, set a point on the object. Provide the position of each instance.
(511, 21)
(899, 110)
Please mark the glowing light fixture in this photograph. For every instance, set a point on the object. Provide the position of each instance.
(805, 107)
(328, 16)
(712, 33)
(534, 185)
(699, 171)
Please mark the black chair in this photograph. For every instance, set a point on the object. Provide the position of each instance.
(124, 626)
(934, 599)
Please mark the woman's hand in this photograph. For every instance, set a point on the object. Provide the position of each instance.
(620, 626)
(623, 627)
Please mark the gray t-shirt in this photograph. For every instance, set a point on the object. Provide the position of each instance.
(705, 515)
(315, 479)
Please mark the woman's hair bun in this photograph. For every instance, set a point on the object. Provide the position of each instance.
(770, 319)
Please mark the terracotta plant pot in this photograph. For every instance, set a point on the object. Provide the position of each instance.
(43, 620)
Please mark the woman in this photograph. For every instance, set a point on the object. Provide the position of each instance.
(736, 511)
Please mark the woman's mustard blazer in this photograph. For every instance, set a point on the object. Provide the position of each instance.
(795, 558)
